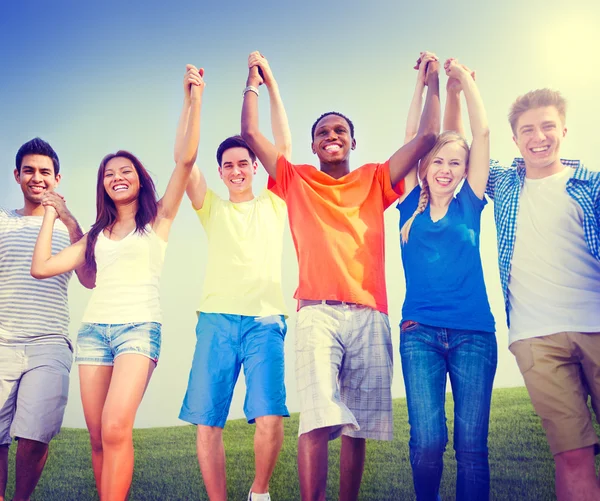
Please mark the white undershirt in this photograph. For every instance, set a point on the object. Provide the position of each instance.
(554, 283)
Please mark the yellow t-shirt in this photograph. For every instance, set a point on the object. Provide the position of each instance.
(243, 271)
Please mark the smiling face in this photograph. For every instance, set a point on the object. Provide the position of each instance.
(538, 135)
(36, 177)
(448, 167)
(332, 140)
(237, 171)
(121, 180)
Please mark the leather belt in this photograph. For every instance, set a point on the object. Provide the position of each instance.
(330, 302)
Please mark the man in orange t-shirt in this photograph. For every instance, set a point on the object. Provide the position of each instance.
(343, 339)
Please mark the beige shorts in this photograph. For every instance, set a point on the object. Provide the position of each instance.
(560, 371)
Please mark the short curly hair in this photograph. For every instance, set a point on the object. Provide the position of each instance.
(350, 124)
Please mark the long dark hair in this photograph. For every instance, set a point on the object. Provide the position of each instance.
(106, 211)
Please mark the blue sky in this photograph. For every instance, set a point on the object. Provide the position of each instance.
(95, 78)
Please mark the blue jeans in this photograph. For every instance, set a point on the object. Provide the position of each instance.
(470, 358)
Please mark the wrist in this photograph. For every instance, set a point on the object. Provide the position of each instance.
(250, 88)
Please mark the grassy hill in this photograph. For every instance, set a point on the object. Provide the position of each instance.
(166, 466)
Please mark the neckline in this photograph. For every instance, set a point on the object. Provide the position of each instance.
(120, 239)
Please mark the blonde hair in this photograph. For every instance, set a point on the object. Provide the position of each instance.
(536, 99)
(443, 139)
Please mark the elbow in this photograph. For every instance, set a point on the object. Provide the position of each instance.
(428, 139)
(483, 133)
(37, 273)
(249, 134)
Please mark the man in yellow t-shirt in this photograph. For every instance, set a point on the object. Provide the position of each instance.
(241, 316)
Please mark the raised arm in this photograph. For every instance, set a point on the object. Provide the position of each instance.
(280, 126)
(196, 187)
(479, 157)
(43, 263)
(188, 150)
(414, 115)
(452, 111)
(408, 155)
(266, 151)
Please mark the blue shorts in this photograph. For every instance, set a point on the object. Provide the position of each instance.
(100, 344)
(223, 343)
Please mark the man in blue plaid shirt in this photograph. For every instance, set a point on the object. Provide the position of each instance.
(547, 213)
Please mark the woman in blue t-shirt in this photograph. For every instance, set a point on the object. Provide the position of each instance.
(447, 326)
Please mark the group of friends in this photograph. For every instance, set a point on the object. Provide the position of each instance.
(547, 213)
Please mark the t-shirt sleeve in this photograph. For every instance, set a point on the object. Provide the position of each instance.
(467, 195)
(408, 206)
(285, 172)
(390, 193)
(204, 212)
(278, 203)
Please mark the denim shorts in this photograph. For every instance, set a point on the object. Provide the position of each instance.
(100, 344)
(224, 343)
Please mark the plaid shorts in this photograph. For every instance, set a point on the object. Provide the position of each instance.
(344, 365)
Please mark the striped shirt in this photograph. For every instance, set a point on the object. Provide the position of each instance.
(31, 310)
(504, 187)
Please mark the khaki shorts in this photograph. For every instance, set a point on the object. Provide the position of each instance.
(560, 371)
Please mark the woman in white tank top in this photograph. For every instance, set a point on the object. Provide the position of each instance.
(119, 342)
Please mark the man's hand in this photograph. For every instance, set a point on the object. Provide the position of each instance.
(260, 61)
(422, 64)
(54, 203)
(193, 82)
(455, 71)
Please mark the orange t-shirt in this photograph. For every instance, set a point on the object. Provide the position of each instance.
(338, 230)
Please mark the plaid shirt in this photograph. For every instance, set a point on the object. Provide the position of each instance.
(504, 187)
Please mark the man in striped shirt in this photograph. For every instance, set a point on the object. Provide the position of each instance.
(35, 350)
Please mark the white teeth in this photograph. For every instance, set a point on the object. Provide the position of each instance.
(119, 187)
(237, 181)
(332, 148)
(541, 148)
(37, 189)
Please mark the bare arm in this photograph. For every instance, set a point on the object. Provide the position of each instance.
(408, 155)
(452, 111)
(279, 120)
(56, 201)
(414, 116)
(188, 150)
(479, 157)
(43, 263)
(266, 151)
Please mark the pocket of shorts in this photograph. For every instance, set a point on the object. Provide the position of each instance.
(523, 353)
(408, 326)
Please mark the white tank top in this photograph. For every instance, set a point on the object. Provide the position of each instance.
(127, 279)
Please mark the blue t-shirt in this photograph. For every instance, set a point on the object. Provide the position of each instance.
(442, 265)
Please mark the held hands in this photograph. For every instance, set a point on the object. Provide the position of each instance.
(423, 65)
(256, 59)
(193, 82)
(456, 73)
(54, 204)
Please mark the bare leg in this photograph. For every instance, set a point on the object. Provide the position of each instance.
(31, 458)
(94, 381)
(3, 470)
(211, 458)
(576, 475)
(352, 464)
(268, 438)
(312, 464)
(130, 377)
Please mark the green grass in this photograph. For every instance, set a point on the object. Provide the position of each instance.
(166, 468)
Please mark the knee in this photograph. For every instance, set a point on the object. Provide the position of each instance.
(574, 459)
(96, 441)
(208, 435)
(269, 426)
(428, 449)
(32, 448)
(115, 432)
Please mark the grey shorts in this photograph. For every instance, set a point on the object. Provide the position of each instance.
(34, 386)
(344, 365)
